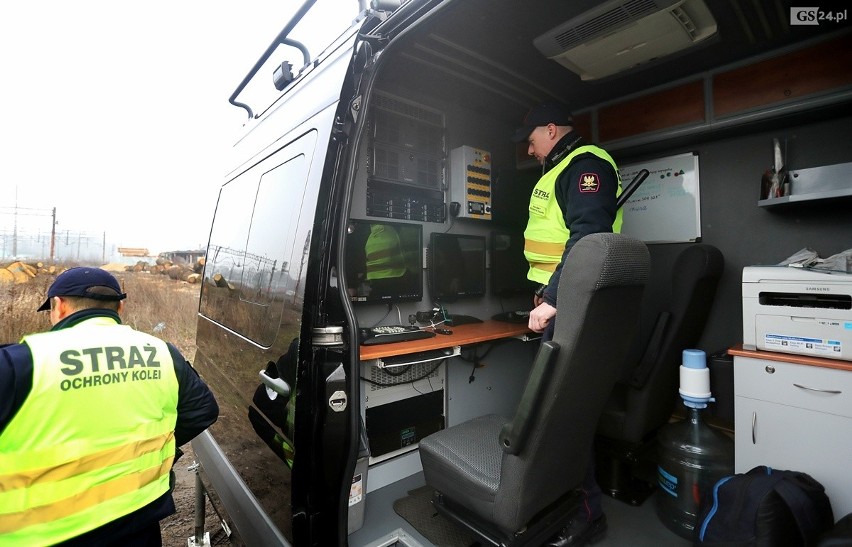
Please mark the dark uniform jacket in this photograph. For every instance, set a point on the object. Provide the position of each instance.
(584, 212)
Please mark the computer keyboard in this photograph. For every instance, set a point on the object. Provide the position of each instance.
(386, 334)
(514, 316)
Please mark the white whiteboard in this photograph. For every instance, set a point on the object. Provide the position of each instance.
(666, 207)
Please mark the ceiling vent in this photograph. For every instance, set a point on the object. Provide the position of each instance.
(619, 35)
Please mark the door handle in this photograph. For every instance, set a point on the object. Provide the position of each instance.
(753, 427)
(277, 385)
(830, 391)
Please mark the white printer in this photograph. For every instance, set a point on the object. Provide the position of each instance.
(796, 310)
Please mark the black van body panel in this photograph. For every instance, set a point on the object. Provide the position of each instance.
(250, 527)
(258, 313)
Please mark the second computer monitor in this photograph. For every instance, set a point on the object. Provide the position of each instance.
(509, 267)
(456, 266)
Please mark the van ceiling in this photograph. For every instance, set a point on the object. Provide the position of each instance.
(505, 69)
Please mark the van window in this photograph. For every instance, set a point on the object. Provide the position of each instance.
(248, 277)
(252, 303)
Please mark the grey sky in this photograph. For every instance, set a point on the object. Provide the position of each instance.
(117, 114)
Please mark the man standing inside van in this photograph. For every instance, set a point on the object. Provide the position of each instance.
(91, 415)
(575, 196)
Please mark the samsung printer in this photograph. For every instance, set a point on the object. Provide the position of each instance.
(796, 310)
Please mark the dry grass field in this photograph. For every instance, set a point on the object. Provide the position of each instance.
(155, 304)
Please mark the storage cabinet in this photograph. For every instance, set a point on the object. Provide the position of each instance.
(763, 89)
(797, 416)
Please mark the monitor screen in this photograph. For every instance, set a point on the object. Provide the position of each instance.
(509, 267)
(456, 266)
(510, 200)
(383, 261)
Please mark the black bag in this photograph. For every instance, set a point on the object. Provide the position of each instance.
(764, 507)
(840, 535)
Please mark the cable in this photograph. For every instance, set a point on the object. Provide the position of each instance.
(431, 387)
(476, 359)
(443, 313)
(452, 223)
(386, 384)
(398, 371)
(491, 345)
(385, 316)
(433, 324)
(475, 362)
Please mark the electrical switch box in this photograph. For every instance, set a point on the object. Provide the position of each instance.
(470, 181)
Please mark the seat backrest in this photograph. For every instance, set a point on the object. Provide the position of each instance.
(599, 299)
(650, 392)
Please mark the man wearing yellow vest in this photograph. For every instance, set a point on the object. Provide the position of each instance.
(575, 196)
(92, 414)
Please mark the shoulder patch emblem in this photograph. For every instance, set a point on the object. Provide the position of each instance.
(589, 182)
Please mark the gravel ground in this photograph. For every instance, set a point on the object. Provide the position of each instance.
(180, 527)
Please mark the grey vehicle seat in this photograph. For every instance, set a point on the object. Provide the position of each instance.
(644, 399)
(513, 481)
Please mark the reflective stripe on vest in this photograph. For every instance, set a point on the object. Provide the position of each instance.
(546, 233)
(94, 440)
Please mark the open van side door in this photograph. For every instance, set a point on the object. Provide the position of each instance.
(276, 459)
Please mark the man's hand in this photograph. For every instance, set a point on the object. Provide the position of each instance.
(541, 316)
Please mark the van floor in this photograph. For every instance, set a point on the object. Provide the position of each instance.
(628, 526)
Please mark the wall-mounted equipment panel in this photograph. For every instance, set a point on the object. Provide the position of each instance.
(405, 161)
(406, 143)
(470, 181)
(388, 200)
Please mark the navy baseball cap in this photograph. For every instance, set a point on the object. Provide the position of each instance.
(541, 115)
(80, 281)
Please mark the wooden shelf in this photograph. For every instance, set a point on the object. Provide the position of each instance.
(740, 351)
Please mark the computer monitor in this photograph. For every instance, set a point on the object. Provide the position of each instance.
(383, 261)
(509, 267)
(510, 199)
(456, 266)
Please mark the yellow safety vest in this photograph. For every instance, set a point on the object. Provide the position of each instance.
(546, 233)
(94, 440)
(384, 253)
